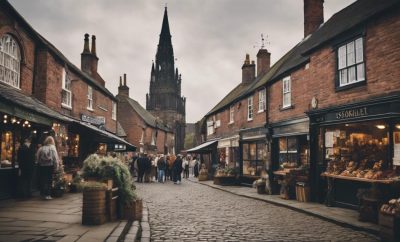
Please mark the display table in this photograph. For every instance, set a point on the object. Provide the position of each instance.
(286, 178)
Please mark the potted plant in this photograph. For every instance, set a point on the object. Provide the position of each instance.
(94, 203)
(59, 183)
(225, 176)
(260, 185)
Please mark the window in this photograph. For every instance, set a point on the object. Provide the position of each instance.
(250, 108)
(141, 141)
(114, 111)
(254, 158)
(261, 100)
(153, 138)
(66, 96)
(10, 60)
(231, 114)
(351, 62)
(294, 150)
(210, 127)
(287, 96)
(90, 98)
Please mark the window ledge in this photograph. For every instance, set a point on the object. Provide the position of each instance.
(286, 108)
(346, 87)
(90, 109)
(249, 120)
(231, 122)
(261, 111)
(66, 106)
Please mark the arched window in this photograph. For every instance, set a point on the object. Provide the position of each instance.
(10, 60)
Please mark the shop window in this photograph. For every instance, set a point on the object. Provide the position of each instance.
(293, 151)
(10, 61)
(261, 100)
(114, 111)
(66, 95)
(287, 90)
(73, 150)
(231, 114)
(7, 149)
(90, 98)
(363, 143)
(250, 108)
(350, 57)
(254, 158)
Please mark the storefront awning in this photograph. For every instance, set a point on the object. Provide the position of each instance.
(203, 148)
(102, 136)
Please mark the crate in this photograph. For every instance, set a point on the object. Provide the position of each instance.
(389, 227)
(302, 192)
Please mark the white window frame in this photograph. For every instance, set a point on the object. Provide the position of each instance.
(262, 100)
(350, 62)
(66, 90)
(286, 92)
(231, 114)
(141, 141)
(153, 137)
(210, 127)
(10, 61)
(114, 111)
(90, 98)
(250, 108)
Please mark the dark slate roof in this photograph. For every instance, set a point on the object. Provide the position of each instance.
(147, 116)
(346, 19)
(17, 97)
(55, 51)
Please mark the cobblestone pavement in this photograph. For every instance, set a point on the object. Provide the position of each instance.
(194, 212)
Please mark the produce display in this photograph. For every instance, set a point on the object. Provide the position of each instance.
(392, 208)
(365, 169)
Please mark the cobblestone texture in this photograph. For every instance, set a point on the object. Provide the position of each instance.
(193, 212)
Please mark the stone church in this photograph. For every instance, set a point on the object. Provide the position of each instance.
(164, 99)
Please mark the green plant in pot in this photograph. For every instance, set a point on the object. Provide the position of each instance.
(59, 182)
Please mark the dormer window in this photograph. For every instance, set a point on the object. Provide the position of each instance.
(10, 61)
(351, 66)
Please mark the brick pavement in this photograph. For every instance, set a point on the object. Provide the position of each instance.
(193, 212)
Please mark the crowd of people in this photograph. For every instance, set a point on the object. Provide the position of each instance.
(149, 168)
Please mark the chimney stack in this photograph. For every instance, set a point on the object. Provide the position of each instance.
(248, 70)
(123, 90)
(94, 45)
(86, 56)
(263, 61)
(313, 15)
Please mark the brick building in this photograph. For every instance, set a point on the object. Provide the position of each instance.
(145, 131)
(165, 100)
(43, 93)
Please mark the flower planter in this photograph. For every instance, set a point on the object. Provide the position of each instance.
(203, 177)
(134, 210)
(224, 180)
(94, 207)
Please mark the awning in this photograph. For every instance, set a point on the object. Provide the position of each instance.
(203, 148)
(229, 142)
(101, 135)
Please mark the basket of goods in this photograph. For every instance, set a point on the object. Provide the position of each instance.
(389, 221)
(339, 167)
(289, 165)
(350, 168)
(203, 174)
(329, 168)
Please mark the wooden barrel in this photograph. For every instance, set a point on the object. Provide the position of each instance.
(139, 209)
(94, 207)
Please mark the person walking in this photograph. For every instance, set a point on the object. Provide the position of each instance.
(147, 168)
(195, 167)
(141, 164)
(47, 159)
(178, 169)
(161, 165)
(154, 174)
(185, 168)
(26, 162)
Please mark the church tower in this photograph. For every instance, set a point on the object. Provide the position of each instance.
(164, 99)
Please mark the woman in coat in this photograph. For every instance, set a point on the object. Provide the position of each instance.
(47, 159)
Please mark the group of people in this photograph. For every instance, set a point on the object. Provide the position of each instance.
(47, 160)
(161, 167)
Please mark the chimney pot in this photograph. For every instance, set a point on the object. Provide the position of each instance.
(263, 61)
(248, 70)
(120, 80)
(124, 79)
(94, 45)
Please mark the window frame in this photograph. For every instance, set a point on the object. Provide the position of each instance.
(64, 85)
(286, 91)
(114, 110)
(357, 64)
(250, 108)
(231, 114)
(262, 100)
(90, 98)
(14, 61)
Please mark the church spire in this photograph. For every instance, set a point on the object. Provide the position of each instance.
(165, 36)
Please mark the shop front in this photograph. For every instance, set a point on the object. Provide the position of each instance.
(208, 155)
(290, 156)
(228, 152)
(356, 152)
(253, 154)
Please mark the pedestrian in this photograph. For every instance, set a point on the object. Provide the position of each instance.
(47, 159)
(26, 162)
(171, 162)
(147, 168)
(185, 168)
(141, 164)
(177, 168)
(154, 160)
(161, 165)
(133, 165)
(196, 167)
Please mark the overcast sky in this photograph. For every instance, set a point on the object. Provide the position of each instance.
(210, 38)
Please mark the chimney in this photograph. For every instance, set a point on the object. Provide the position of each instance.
(263, 61)
(313, 15)
(248, 70)
(95, 60)
(86, 56)
(123, 89)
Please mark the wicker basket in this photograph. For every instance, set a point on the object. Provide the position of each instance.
(203, 177)
(134, 211)
(94, 207)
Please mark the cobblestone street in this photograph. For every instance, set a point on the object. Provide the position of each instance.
(194, 212)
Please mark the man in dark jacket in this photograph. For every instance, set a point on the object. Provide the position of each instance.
(177, 169)
(141, 163)
(161, 165)
(26, 161)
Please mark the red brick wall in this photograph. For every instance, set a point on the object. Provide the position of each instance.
(130, 121)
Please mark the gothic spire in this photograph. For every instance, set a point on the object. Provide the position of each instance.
(165, 36)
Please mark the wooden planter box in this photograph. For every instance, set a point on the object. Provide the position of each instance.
(94, 207)
(134, 211)
(389, 226)
(203, 177)
(224, 180)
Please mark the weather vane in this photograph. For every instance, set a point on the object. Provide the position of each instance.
(263, 42)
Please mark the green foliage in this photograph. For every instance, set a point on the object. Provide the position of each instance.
(111, 168)
(59, 181)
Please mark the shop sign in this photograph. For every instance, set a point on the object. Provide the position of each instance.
(98, 121)
(352, 113)
(255, 134)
